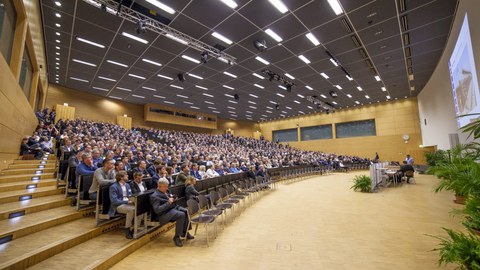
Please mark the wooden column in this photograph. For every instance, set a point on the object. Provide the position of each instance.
(18, 40)
(124, 121)
(64, 112)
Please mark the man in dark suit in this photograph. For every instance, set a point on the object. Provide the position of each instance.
(25, 148)
(163, 205)
(137, 184)
(119, 193)
(182, 176)
(404, 168)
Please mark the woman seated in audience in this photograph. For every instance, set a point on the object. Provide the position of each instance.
(252, 172)
(190, 191)
(202, 171)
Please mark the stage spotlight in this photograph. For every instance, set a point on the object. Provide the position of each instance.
(333, 94)
(277, 107)
(204, 57)
(181, 77)
(261, 46)
(141, 27)
(289, 87)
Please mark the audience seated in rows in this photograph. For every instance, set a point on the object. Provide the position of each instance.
(119, 202)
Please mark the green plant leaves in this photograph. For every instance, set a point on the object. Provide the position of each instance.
(362, 183)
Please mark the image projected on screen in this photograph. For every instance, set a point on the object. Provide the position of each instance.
(463, 75)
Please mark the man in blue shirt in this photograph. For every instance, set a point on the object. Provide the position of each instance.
(194, 171)
(86, 167)
(409, 160)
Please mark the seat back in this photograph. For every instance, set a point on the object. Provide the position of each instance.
(62, 169)
(84, 183)
(103, 198)
(409, 173)
(202, 202)
(214, 197)
(193, 207)
(223, 193)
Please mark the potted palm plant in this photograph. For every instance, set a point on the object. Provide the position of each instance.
(472, 214)
(459, 248)
(362, 183)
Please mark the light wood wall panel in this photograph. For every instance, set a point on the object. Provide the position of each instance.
(392, 120)
(124, 121)
(64, 112)
(176, 119)
(99, 108)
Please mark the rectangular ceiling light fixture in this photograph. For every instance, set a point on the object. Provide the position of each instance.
(377, 78)
(335, 5)
(149, 88)
(348, 95)
(359, 88)
(278, 4)
(176, 86)
(130, 36)
(334, 62)
(228, 87)
(252, 95)
(258, 58)
(309, 88)
(137, 96)
(230, 74)
(151, 62)
(207, 95)
(313, 39)
(195, 76)
(157, 96)
(107, 79)
(324, 75)
(367, 96)
(174, 38)
(289, 76)
(323, 96)
(90, 42)
(78, 79)
(222, 38)
(165, 77)
(280, 95)
(259, 86)
(384, 89)
(338, 87)
(182, 96)
(201, 87)
(124, 89)
(84, 63)
(100, 88)
(230, 3)
(304, 59)
(136, 76)
(273, 35)
(190, 59)
(161, 6)
(117, 63)
(258, 76)
(349, 78)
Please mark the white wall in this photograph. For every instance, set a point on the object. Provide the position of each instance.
(435, 102)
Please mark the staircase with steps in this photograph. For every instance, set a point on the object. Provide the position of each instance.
(39, 228)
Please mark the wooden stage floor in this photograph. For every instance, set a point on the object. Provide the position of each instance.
(318, 223)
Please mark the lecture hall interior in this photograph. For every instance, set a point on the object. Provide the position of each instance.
(283, 105)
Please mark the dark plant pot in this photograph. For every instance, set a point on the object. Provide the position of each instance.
(460, 199)
(475, 231)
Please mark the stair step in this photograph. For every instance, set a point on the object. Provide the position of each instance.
(28, 184)
(34, 248)
(17, 227)
(32, 206)
(20, 195)
(31, 166)
(25, 177)
(35, 161)
(26, 171)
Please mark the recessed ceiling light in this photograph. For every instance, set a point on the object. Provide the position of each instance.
(252, 95)
(334, 62)
(324, 75)
(278, 4)
(58, 15)
(114, 97)
(188, 102)
(349, 78)
(213, 108)
(100, 88)
(323, 96)
(57, 33)
(201, 87)
(296, 101)
(357, 102)
(310, 107)
(302, 96)
(253, 107)
(269, 111)
(289, 76)
(222, 38)
(230, 107)
(252, 102)
(273, 102)
(176, 86)
(149, 88)
(57, 40)
(359, 88)
(182, 96)
(273, 35)
(90, 42)
(367, 96)
(388, 97)
(230, 74)
(228, 87)
(151, 62)
(333, 102)
(130, 36)
(161, 6)
(283, 87)
(258, 58)
(216, 111)
(136, 76)
(168, 102)
(107, 79)
(116, 63)
(207, 95)
(384, 89)
(57, 67)
(190, 59)
(304, 59)
(258, 76)
(57, 53)
(58, 59)
(165, 77)
(335, 5)
(157, 96)
(309, 88)
(228, 95)
(230, 3)
(288, 107)
(124, 89)
(313, 39)
(84, 63)
(231, 101)
(338, 87)
(280, 95)
(58, 4)
(348, 95)
(195, 76)
(177, 39)
(58, 25)
(377, 78)
(78, 79)
(259, 86)
(137, 96)
(208, 102)
(56, 47)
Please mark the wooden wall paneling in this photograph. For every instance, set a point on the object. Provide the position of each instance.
(20, 35)
(176, 119)
(34, 89)
(64, 112)
(124, 121)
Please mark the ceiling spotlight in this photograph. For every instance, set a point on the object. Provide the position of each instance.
(289, 87)
(141, 27)
(204, 57)
(261, 46)
(181, 77)
(272, 77)
(333, 94)
(277, 107)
